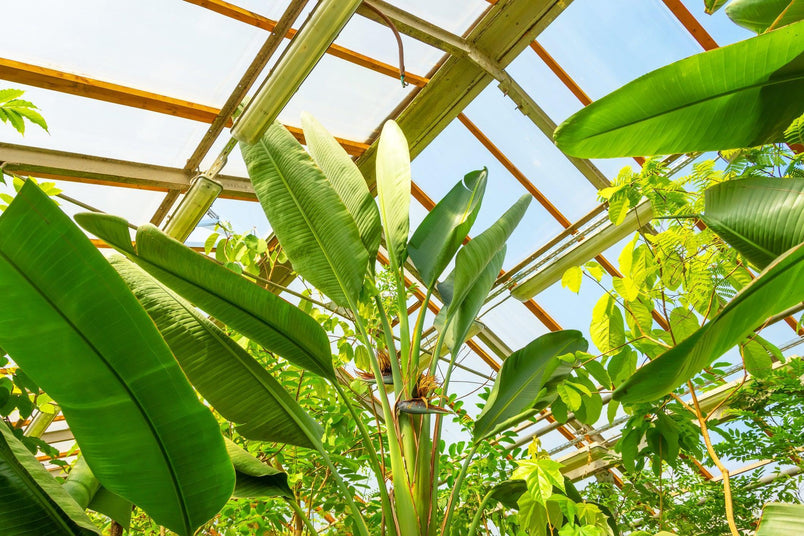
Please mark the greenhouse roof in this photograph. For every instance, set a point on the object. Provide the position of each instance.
(138, 97)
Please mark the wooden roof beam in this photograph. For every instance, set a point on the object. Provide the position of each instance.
(82, 86)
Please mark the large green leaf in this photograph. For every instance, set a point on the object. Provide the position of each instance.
(87, 491)
(759, 15)
(780, 518)
(68, 320)
(347, 180)
(31, 501)
(736, 96)
(310, 220)
(255, 478)
(222, 371)
(473, 258)
(778, 287)
(253, 311)
(523, 376)
(442, 231)
(463, 317)
(759, 217)
(393, 189)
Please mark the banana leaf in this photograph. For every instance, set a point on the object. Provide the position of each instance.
(68, 320)
(225, 374)
(527, 377)
(781, 518)
(345, 177)
(778, 287)
(442, 231)
(255, 478)
(475, 256)
(759, 217)
(508, 493)
(741, 95)
(463, 318)
(319, 235)
(759, 15)
(253, 311)
(393, 190)
(31, 500)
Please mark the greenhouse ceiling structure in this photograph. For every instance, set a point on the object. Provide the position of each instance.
(620, 318)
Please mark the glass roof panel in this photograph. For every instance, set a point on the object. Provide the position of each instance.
(135, 205)
(377, 41)
(533, 153)
(349, 100)
(604, 45)
(184, 52)
(87, 126)
(455, 17)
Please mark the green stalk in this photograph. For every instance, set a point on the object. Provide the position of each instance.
(299, 512)
(445, 526)
(422, 490)
(479, 514)
(404, 328)
(437, 350)
(417, 340)
(373, 459)
(406, 514)
(389, 343)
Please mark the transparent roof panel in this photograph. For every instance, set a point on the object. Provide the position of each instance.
(533, 153)
(185, 51)
(133, 204)
(603, 45)
(87, 126)
(455, 17)
(349, 100)
(378, 42)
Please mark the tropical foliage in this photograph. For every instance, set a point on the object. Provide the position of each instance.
(210, 397)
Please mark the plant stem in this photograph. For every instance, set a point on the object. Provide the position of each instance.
(445, 525)
(479, 514)
(718, 463)
(404, 329)
(417, 340)
(373, 459)
(300, 513)
(407, 517)
(389, 343)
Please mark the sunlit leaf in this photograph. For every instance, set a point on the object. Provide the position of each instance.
(741, 95)
(778, 287)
